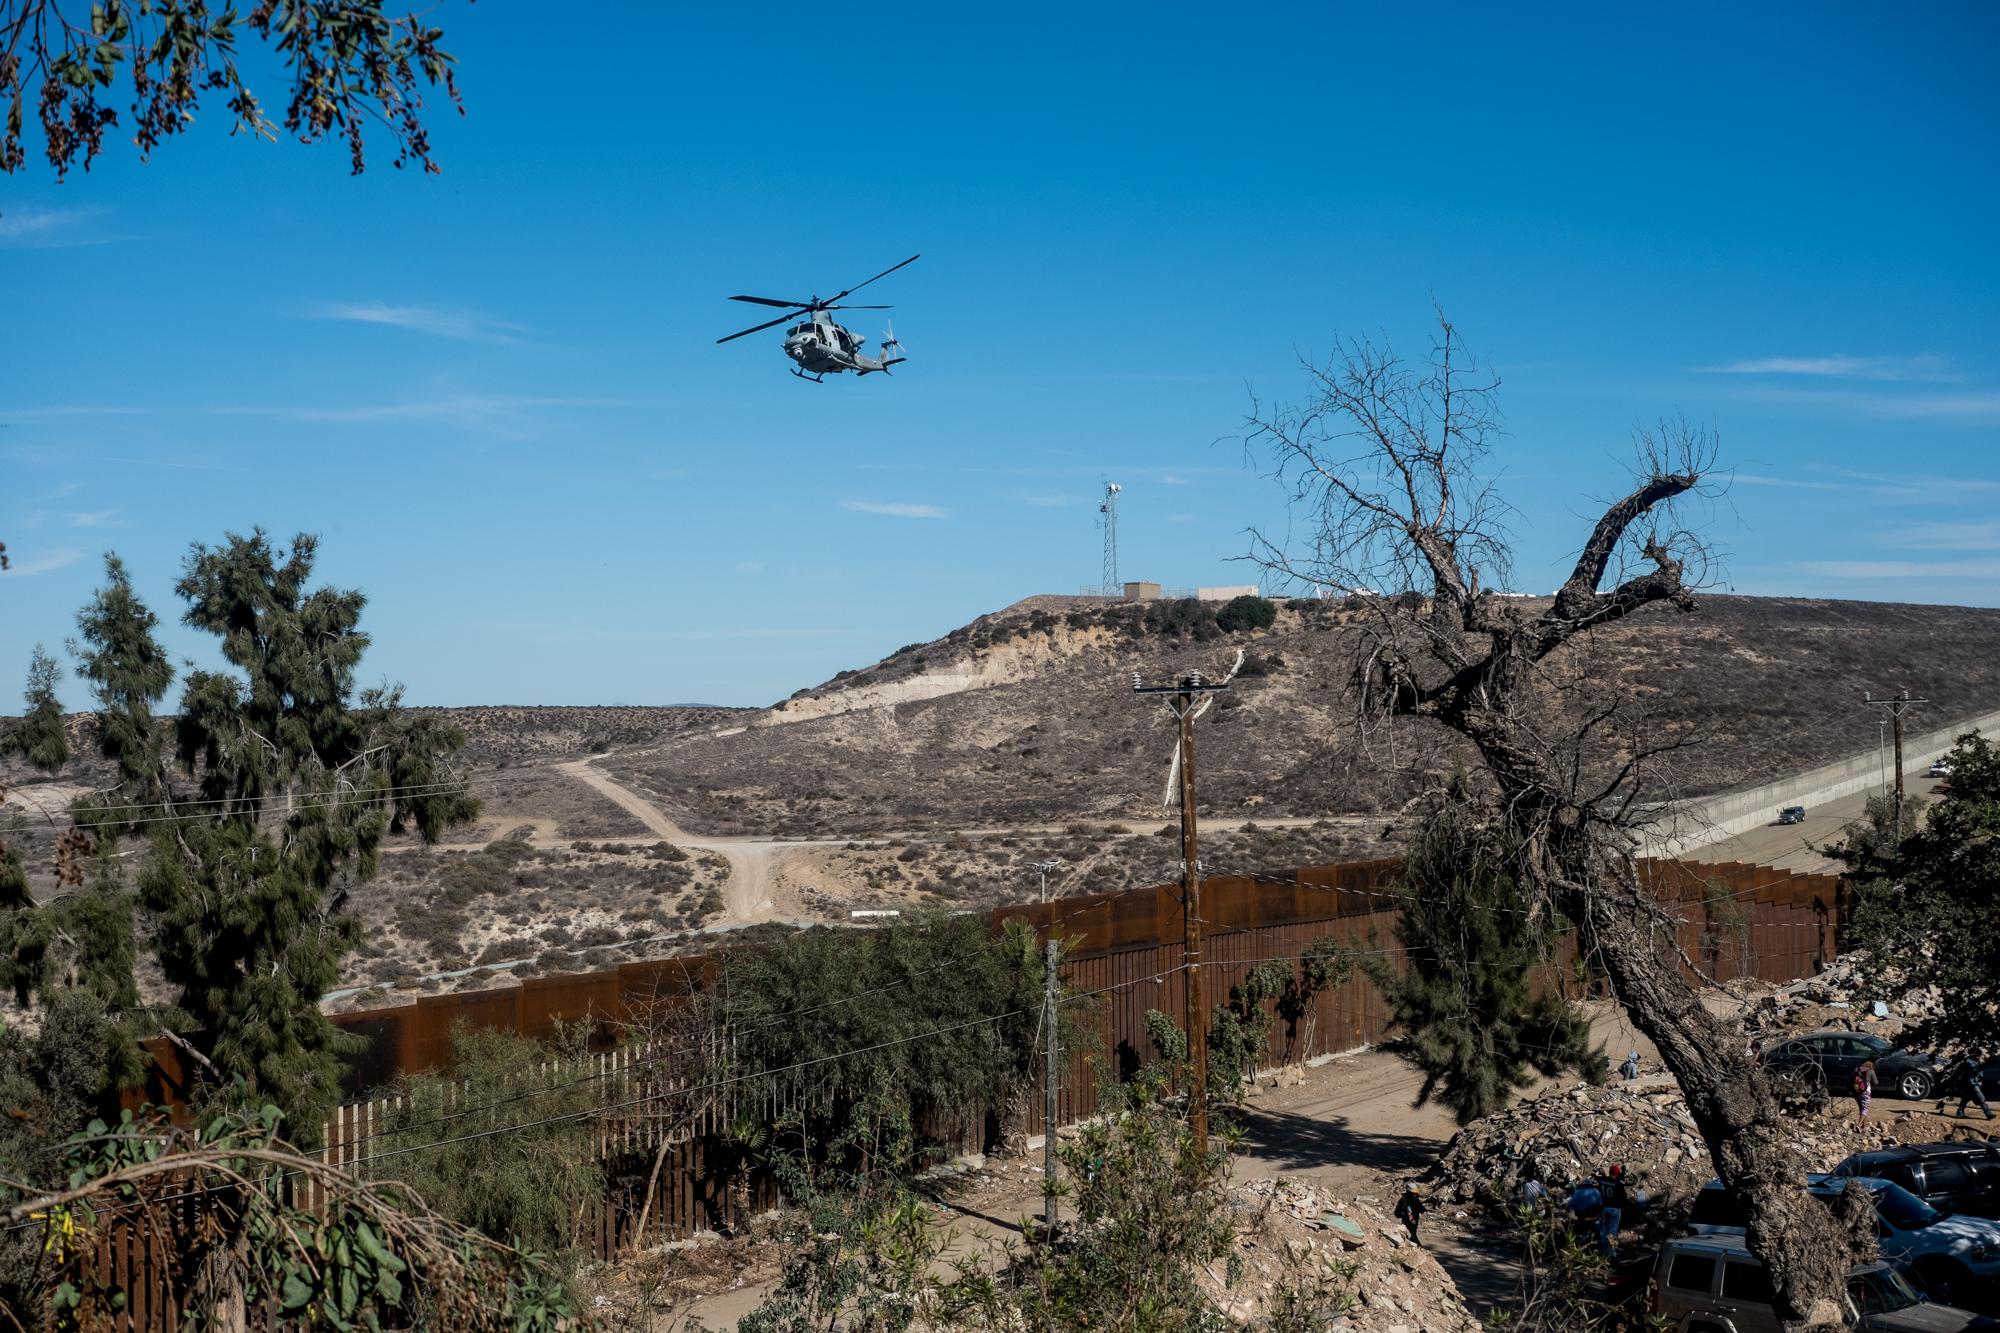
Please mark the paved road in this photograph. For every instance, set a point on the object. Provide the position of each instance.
(1793, 846)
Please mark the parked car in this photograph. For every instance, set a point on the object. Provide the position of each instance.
(1834, 1055)
(1713, 1284)
(1792, 814)
(1956, 1259)
(1940, 768)
(1958, 1177)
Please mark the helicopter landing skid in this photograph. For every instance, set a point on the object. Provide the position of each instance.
(816, 379)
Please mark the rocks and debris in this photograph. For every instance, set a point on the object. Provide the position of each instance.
(1297, 1234)
(1844, 994)
(1568, 1135)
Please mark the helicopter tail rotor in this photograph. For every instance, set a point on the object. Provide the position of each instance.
(892, 348)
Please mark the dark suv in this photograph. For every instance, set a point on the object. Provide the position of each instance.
(1961, 1177)
(1832, 1056)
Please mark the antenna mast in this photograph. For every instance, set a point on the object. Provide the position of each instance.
(1110, 511)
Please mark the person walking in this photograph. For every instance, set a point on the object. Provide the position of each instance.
(1410, 1210)
(1965, 1077)
(1864, 1091)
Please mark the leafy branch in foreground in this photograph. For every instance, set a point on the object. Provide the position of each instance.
(227, 1198)
(348, 62)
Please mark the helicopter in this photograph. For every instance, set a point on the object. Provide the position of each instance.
(819, 345)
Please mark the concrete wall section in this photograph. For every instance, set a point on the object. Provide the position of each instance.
(1714, 818)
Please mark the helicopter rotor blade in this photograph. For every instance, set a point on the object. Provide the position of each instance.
(857, 307)
(883, 274)
(759, 328)
(765, 300)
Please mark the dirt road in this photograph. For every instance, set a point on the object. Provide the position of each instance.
(746, 897)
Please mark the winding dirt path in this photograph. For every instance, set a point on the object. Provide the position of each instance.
(746, 897)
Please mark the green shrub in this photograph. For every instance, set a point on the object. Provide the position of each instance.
(1247, 612)
(526, 1186)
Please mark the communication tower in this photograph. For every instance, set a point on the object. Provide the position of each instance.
(1109, 509)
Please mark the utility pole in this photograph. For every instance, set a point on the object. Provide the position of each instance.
(1053, 863)
(1051, 983)
(1181, 697)
(1896, 707)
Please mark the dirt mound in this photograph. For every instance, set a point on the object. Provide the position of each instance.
(1567, 1136)
(1302, 1244)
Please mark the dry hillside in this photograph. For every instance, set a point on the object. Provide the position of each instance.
(1026, 717)
(944, 773)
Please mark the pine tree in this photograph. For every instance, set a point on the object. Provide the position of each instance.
(1927, 901)
(297, 778)
(39, 736)
(75, 950)
(1477, 1026)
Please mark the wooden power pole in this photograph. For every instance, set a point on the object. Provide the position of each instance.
(1895, 707)
(1181, 697)
(1051, 984)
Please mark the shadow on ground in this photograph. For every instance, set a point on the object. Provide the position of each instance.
(1289, 1141)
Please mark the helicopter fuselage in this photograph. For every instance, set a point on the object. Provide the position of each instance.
(818, 346)
(822, 347)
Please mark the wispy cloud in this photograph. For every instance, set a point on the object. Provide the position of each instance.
(464, 325)
(1922, 369)
(1049, 501)
(29, 228)
(1903, 569)
(1911, 487)
(47, 562)
(101, 518)
(894, 509)
(1979, 536)
(1171, 480)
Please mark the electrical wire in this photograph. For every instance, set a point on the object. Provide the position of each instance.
(705, 1087)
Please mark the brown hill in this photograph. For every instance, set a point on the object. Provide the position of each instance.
(1026, 716)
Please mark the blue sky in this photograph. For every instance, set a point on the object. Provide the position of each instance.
(496, 394)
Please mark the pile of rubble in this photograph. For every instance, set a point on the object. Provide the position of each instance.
(1298, 1236)
(1568, 1135)
(1845, 994)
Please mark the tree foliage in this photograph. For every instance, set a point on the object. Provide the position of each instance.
(296, 779)
(257, 809)
(227, 1198)
(876, 1035)
(346, 62)
(1397, 510)
(38, 736)
(503, 1140)
(1477, 1026)
(1927, 903)
(1247, 612)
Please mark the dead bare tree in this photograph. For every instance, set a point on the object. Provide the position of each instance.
(1387, 466)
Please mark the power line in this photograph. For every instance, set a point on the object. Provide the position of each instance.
(708, 1086)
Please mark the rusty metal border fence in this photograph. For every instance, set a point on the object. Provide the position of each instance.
(1734, 920)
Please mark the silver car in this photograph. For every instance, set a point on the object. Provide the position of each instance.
(1713, 1284)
